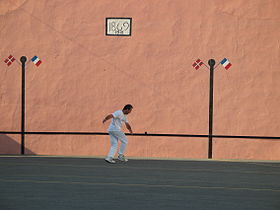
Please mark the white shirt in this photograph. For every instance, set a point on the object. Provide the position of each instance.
(118, 119)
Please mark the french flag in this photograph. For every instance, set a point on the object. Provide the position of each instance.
(36, 61)
(225, 62)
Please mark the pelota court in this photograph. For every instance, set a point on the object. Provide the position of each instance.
(41, 182)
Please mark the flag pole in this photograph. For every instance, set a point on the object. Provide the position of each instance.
(28, 62)
(205, 65)
(18, 62)
(217, 65)
(23, 60)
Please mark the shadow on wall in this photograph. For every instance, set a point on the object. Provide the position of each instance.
(9, 146)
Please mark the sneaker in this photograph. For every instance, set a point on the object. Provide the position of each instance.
(122, 158)
(110, 160)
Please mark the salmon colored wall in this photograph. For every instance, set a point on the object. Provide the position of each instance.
(10, 144)
(157, 147)
(85, 75)
(253, 149)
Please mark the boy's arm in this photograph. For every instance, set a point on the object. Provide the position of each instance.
(108, 117)
(128, 127)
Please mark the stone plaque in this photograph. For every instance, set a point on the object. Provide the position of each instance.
(118, 26)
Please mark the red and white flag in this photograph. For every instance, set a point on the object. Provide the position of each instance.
(9, 60)
(197, 64)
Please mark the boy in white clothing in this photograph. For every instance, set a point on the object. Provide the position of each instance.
(116, 133)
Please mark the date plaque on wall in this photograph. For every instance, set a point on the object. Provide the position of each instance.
(118, 26)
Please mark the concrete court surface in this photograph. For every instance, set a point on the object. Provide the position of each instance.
(40, 182)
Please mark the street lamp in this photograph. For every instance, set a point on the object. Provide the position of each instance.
(197, 64)
(23, 63)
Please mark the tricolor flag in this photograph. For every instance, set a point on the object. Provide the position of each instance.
(197, 64)
(225, 62)
(36, 60)
(9, 60)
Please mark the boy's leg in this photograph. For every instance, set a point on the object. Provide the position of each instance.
(121, 136)
(114, 145)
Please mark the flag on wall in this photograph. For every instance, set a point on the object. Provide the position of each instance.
(9, 60)
(36, 61)
(226, 64)
(197, 64)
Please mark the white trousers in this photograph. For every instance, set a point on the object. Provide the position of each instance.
(114, 137)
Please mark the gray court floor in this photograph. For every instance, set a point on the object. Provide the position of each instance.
(91, 183)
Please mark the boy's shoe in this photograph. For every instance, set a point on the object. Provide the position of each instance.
(110, 160)
(122, 158)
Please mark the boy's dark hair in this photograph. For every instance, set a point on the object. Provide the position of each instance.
(128, 106)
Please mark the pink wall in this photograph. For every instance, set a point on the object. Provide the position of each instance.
(85, 75)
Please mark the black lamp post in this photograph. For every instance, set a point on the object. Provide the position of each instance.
(211, 63)
(23, 60)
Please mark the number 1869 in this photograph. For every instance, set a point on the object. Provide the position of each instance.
(118, 27)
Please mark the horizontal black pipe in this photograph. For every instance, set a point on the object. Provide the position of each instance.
(142, 134)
